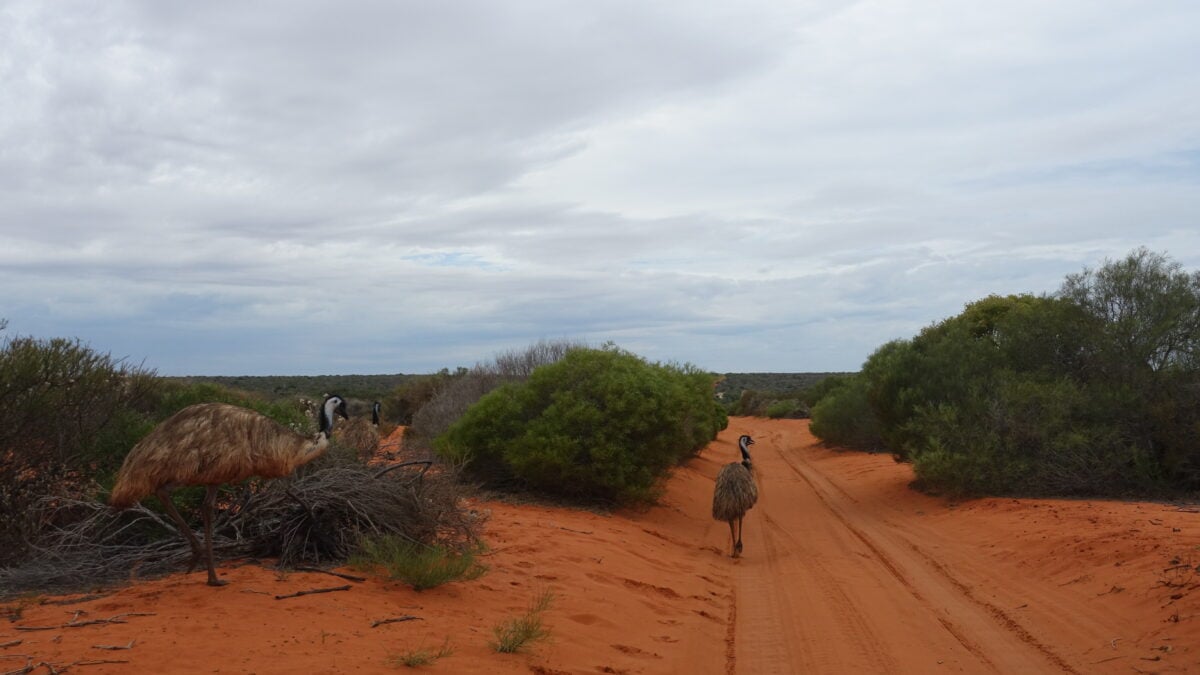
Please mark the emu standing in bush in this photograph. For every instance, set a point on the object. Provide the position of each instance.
(210, 444)
(735, 493)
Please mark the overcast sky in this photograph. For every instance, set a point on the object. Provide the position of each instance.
(380, 187)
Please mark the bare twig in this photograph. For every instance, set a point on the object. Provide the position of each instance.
(21, 671)
(347, 577)
(118, 618)
(74, 601)
(398, 619)
(12, 643)
(312, 591)
(115, 647)
(427, 462)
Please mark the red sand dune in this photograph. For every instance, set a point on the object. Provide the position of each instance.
(845, 570)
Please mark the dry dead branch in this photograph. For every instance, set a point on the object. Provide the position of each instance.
(73, 623)
(314, 591)
(314, 518)
(115, 647)
(340, 575)
(398, 619)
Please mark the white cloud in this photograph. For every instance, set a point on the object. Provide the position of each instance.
(380, 187)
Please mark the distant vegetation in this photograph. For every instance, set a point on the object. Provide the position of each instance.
(1092, 390)
(366, 387)
(774, 395)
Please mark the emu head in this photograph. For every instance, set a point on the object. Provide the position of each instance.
(744, 444)
(333, 404)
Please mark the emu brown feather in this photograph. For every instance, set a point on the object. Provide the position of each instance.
(211, 444)
(735, 492)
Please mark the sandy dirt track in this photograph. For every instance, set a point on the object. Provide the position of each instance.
(845, 570)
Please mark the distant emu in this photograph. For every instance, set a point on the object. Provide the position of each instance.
(375, 413)
(735, 493)
(210, 444)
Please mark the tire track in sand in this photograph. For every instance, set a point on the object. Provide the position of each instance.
(931, 565)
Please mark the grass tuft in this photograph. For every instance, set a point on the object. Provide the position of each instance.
(516, 634)
(416, 564)
(421, 657)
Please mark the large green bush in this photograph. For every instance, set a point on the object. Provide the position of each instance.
(842, 415)
(599, 424)
(1093, 390)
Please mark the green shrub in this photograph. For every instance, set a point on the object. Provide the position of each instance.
(600, 424)
(1095, 390)
(790, 407)
(843, 416)
(421, 566)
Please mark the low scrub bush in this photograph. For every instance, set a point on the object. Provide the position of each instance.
(599, 424)
(419, 565)
(71, 414)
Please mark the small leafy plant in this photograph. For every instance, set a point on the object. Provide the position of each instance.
(516, 634)
(419, 565)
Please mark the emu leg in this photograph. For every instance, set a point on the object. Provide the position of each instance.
(164, 496)
(210, 499)
(737, 548)
(732, 539)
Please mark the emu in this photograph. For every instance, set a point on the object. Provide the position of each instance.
(735, 493)
(375, 413)
(211, 444)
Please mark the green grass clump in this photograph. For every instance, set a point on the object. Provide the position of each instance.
(421, 657)
(419, 565)
(516, 634)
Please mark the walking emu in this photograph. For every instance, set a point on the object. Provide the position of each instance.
(375, 413)
(210, 444)
(735, 493)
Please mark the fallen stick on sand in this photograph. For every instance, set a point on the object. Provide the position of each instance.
(348, 577)
(398, 619)
(315, 590)
(73, 601)
(118, 618)
(13, 643)
(115, 647)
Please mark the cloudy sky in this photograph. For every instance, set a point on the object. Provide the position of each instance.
(379, 187)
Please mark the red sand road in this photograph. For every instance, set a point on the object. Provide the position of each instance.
(845, 570)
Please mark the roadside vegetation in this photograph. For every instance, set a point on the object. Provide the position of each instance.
(1091, 390)
(597, 425)
(419, 565)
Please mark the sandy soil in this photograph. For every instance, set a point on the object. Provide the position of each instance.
(845, 570)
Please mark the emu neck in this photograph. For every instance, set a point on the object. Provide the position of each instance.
(316, 447)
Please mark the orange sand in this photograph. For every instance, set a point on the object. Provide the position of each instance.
(845, 570)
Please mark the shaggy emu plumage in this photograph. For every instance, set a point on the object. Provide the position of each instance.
(211, 444)
(735, 493)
